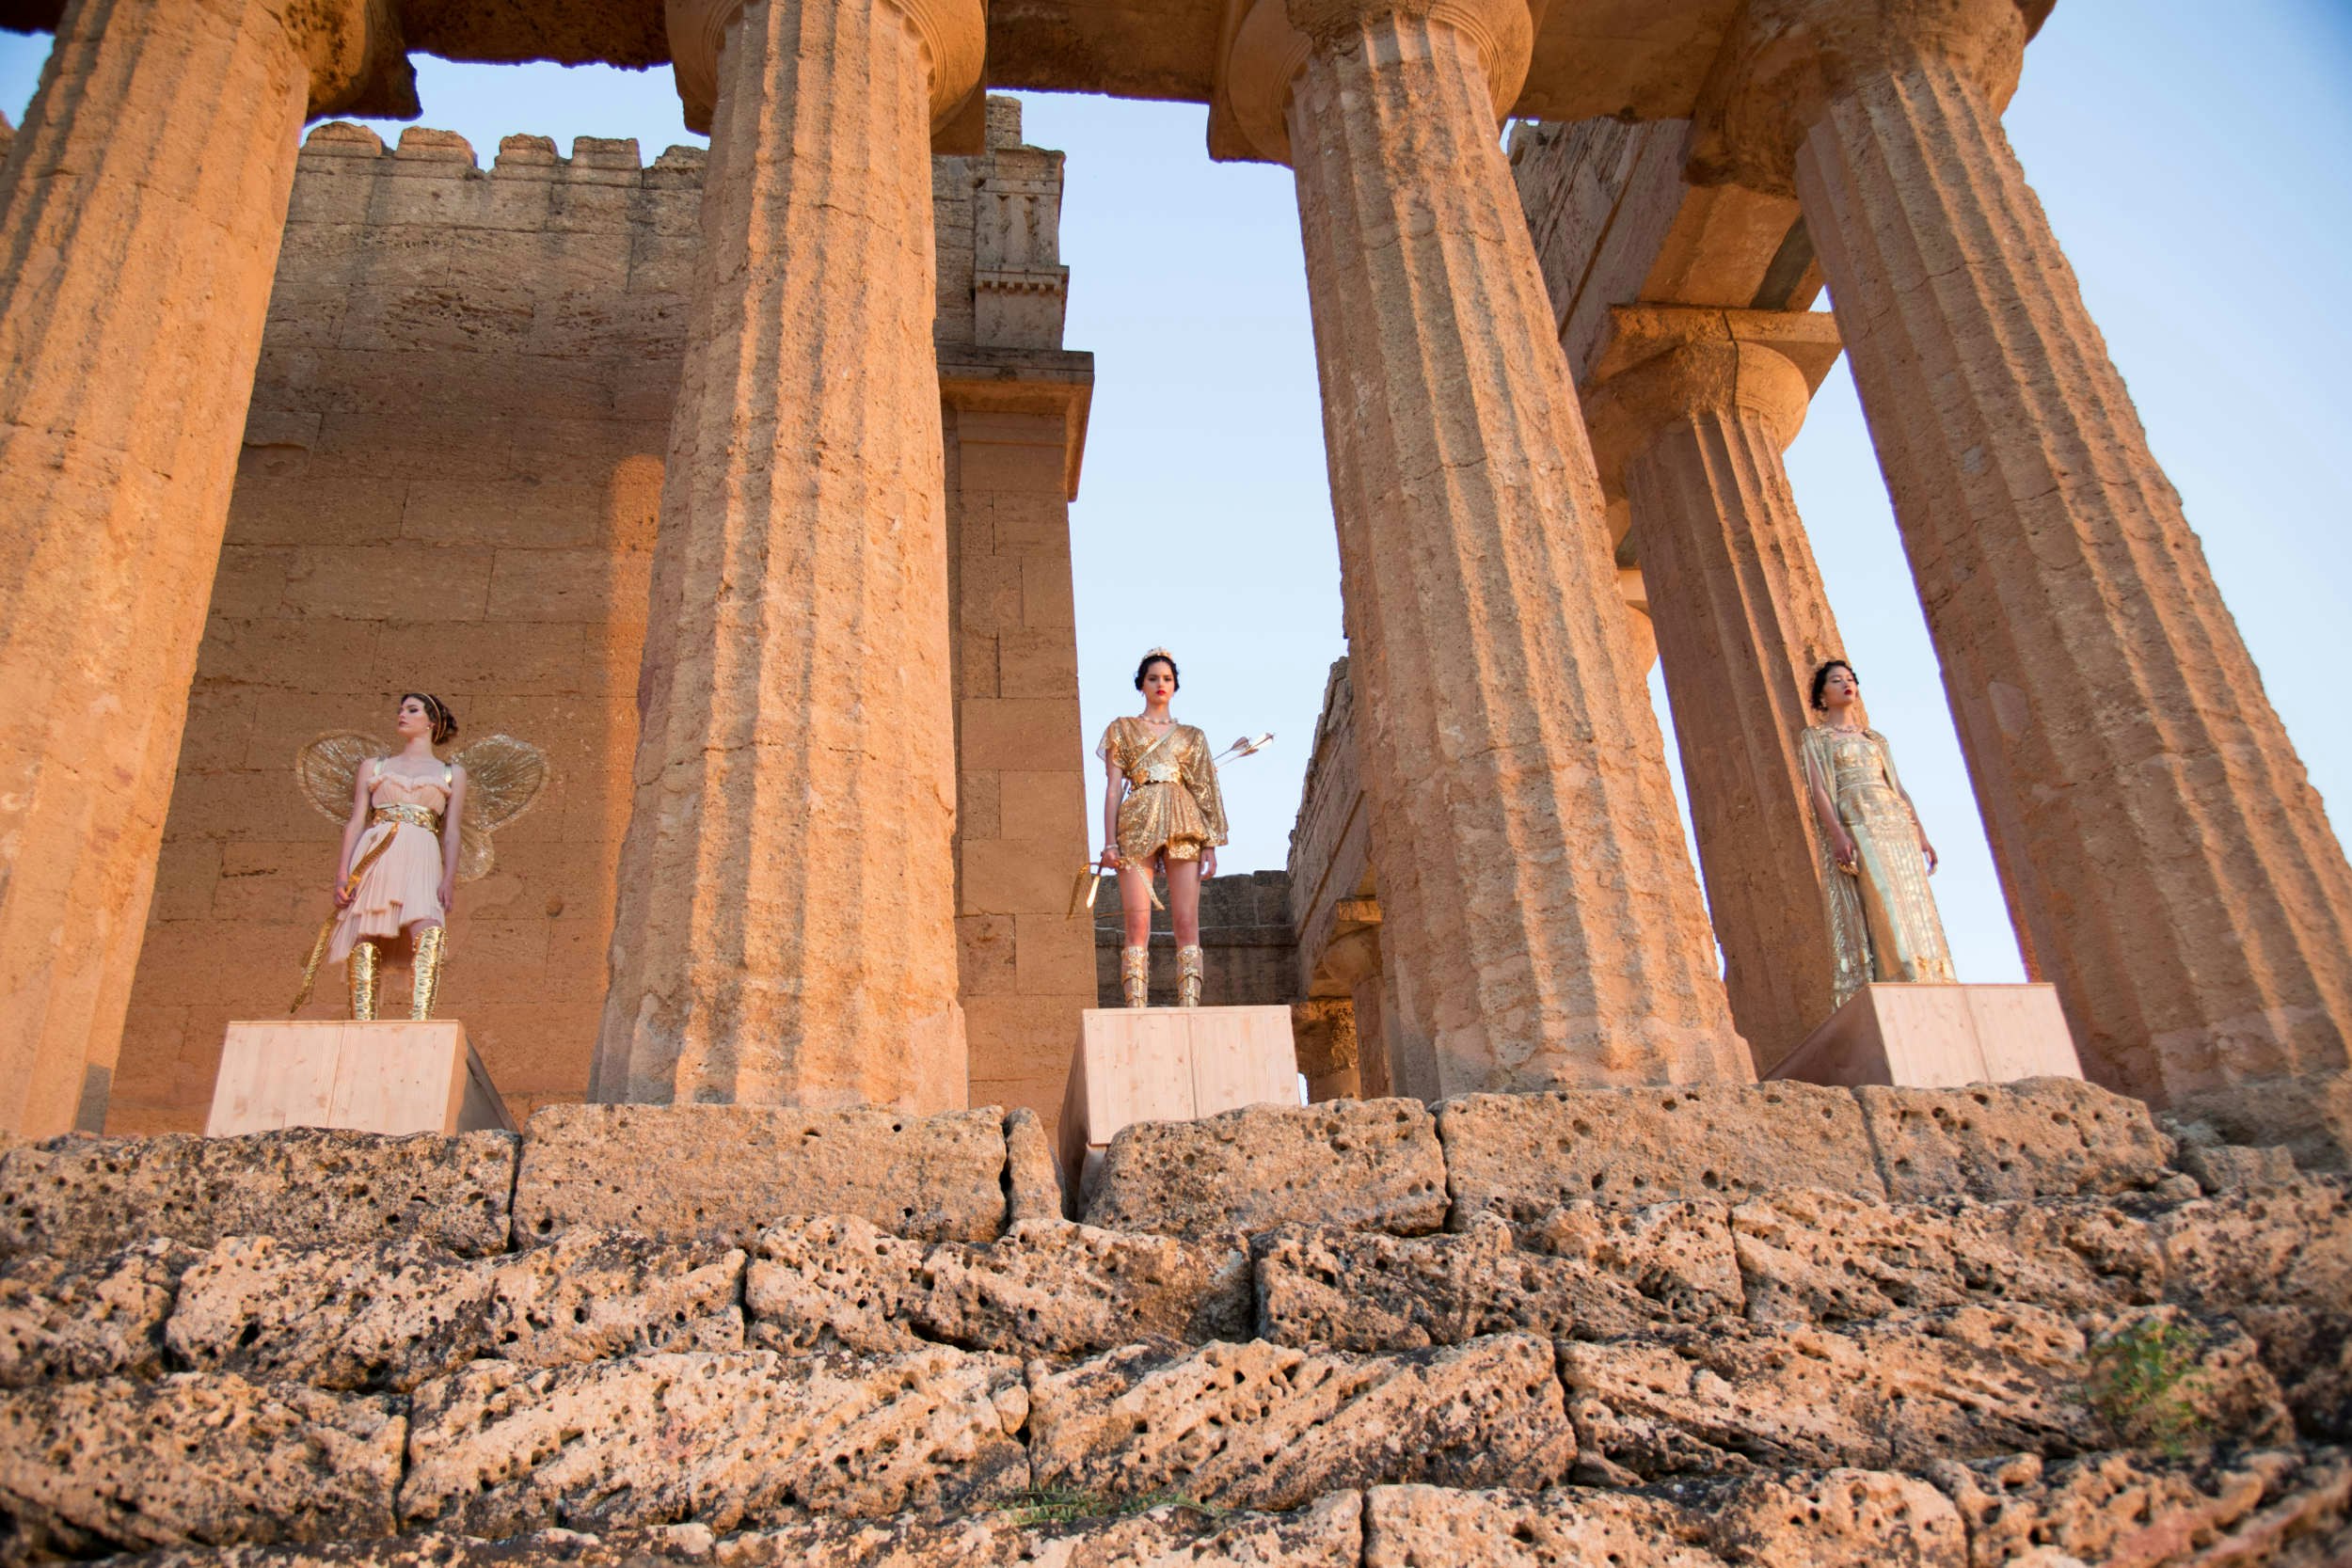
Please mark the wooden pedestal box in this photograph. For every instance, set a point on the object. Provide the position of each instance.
(380, 1077)
(1938, 1038)
(1167, 1064)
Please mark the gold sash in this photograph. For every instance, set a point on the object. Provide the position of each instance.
(416, 816)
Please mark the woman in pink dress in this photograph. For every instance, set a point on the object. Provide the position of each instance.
(402, 838)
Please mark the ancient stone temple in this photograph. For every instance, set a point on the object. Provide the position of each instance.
(738, 479)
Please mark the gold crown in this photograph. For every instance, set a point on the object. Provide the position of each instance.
(1159, 653)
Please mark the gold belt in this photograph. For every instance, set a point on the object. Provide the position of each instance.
(1157, 774)
(414, 816)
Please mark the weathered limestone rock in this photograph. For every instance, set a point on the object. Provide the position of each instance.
(1522, 1155)
(2279, 1261)
(143, 204)
(1268, 1426)
(591, 1296)
(80, 1197)
(1796, 1519)
(1537, 904)
(62, 1320)
(1621, 1273)
(726, 1172)
(1808, 1256)
(83, 1472)
(387, 1317)
(1032, 1177)
(2280, 1507)
(2041, 1137)
(1691, 412)
(1328, 1534)
(722, 1440)
(1049, 1287)
(1961, 1382)
(1370, 1165)
(787, 936)
(393, 1316)
(2167, 862)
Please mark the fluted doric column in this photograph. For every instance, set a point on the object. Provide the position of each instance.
(1691, 413)
(141, 208)
(2167, 864)
(785, 933)
(1538, 906)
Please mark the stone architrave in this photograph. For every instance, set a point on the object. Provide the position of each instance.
(141, 210)
(785, 934)
(2168, 863)
(1539, 908)
(1690, 410)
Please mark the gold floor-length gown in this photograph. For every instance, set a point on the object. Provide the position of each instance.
(1172, 801)
(1883, 923)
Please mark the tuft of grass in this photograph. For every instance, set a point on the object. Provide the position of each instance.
(2142, 1380)
(1053, 1505)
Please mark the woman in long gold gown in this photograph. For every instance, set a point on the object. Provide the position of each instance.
(1876, 856)
(1161, 812)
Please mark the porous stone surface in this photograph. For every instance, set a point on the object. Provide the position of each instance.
(1522, 1155)
(1049, 1287)
(382, 1317)
(1617, 1273)
(2041, 1137)
(1809, 1256)
(2278, 1260)
(85, 1196)
(730, 1171)
(193, 1459)
(1795, 1519)
(722, 1440)
(1032, 1179)
(1259, 1425)
(2281, 1507)
(390, 1317)
(1371, 1164)
(1956, 1382)
(62, 1320)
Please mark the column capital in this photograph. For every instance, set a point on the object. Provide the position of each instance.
(1783, 63)
(1662, 365)
(358, 60)
(955, 46)
(1270, 47)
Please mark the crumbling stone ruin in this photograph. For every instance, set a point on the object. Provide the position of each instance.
(1781, 1326)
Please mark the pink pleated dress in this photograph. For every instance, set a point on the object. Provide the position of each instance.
(403, 886)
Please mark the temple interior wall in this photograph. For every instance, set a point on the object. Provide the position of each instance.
(450, 481)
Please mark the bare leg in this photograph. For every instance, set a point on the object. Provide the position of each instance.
(1135, 959)
(1184, 904)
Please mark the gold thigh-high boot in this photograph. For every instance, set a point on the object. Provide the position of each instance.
(1135, 975)
(1188, 975)
(361, 968)
(432, 946)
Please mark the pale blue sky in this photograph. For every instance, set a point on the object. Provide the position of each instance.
(2195, 172)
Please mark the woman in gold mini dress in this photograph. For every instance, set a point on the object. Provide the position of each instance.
(1881, 917)
(1161, 812)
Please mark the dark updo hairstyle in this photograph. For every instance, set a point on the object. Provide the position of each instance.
(1821, 678)
(444, 722)
(1159, 656)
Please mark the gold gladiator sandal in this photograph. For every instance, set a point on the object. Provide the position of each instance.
(361, 968)
(1135, 975)
(432, 946)
(1188, 975)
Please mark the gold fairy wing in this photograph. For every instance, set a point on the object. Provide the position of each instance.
(503, 777)
(328, 769)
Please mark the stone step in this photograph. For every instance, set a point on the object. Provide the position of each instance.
(2286, 1507)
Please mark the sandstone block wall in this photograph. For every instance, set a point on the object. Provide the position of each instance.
(450, 481)
(1332, 1336)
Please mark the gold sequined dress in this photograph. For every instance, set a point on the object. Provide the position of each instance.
(1172, 801)
(1882, 921)
(403, 886)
